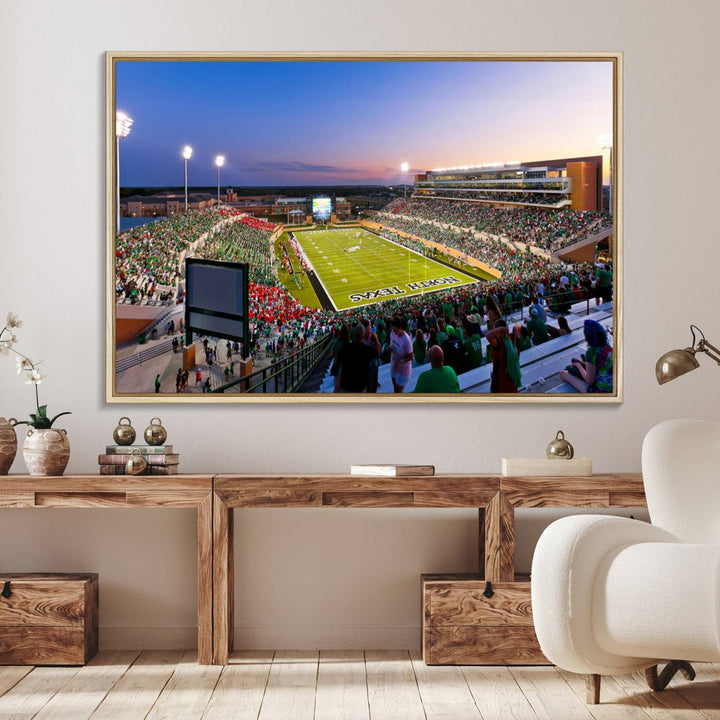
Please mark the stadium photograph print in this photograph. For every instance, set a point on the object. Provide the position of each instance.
(364, 227)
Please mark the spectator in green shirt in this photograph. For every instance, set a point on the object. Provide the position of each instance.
(537, 328)
(473, 341)
(604, 285)
(594, 372)
(419, 348)
(523, 341)
(441, 334)
(439, 378)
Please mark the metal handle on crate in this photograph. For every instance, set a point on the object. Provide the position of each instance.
(6, 592)
(488, 592)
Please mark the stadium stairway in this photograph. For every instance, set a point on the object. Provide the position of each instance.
(320, 373)
(540, 364)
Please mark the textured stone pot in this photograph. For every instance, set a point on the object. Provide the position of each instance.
(8, 444)
(46, 452)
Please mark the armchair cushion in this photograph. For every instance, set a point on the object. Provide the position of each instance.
(659, 600)
(567, 559)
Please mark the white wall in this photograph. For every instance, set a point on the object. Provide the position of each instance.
(335, 578)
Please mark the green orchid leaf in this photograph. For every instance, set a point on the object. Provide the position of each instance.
(67, 412)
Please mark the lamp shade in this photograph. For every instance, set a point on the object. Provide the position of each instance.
(675, 363)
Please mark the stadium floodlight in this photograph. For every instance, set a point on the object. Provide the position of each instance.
(404, 167)
(605, 141)
(219, 162)
(123, 123)
(187, 154)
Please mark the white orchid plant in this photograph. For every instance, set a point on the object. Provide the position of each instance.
(25, 366)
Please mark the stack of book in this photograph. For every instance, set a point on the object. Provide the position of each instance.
(160, 459)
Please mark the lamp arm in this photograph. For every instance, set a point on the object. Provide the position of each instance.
(710, 350)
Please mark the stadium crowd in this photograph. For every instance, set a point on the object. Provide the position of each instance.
(244, 240)
(546, 229)
(149, 255)
(456, 322)
(514, 196)
(453, 321)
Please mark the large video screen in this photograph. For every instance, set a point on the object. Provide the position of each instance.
(322, 208)
(216, 298)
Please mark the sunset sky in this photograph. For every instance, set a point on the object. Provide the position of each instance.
(332, 123)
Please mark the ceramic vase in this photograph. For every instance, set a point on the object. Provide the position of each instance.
(8, 445)
(46, 451)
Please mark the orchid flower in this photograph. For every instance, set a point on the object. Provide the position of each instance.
(25, 366)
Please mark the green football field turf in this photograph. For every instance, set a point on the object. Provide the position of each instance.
(358, 268)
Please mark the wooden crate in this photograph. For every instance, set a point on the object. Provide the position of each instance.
(461, 626)
(48, 618)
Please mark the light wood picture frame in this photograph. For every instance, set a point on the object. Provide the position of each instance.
(362, 187)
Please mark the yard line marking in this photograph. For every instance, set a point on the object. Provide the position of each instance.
(382, 263)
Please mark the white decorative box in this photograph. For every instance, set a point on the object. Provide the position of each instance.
(547, 466)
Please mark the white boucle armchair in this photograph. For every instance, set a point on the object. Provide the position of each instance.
(613, 595)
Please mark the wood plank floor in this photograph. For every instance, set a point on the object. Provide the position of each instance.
(347, 685)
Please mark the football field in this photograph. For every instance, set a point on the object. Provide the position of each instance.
(357, 268)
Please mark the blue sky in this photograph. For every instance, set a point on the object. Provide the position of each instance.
(328, 123)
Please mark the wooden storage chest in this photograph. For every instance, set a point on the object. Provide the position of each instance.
(461, 626)
(48, 618)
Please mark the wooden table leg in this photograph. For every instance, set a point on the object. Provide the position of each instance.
(499, 518)
(481, 541)
(205, 580)
(223, 581)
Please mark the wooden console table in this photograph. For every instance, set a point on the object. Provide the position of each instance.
(495, 497)
(126, 491)
(215, 497)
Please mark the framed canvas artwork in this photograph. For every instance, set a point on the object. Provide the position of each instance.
(364, 227)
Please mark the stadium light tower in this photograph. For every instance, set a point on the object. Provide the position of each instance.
(605, 141)
(404, 167)
(123, 123)
(219, 162)
(187, 154)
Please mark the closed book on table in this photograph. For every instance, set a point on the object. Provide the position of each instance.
(392, 470)
(144, 449)
(112, 469)
(162, 470)
(149, 470)
(110, 459)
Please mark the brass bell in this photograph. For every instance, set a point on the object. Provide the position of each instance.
(155, 434)
(136, 463)
(560, 448)
(124, 434)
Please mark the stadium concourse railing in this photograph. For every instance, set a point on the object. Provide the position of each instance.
(556, 304)
(144, 302)
(284, 376)
(143, 356)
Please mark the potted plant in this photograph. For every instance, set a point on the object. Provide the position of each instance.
(46, 449)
